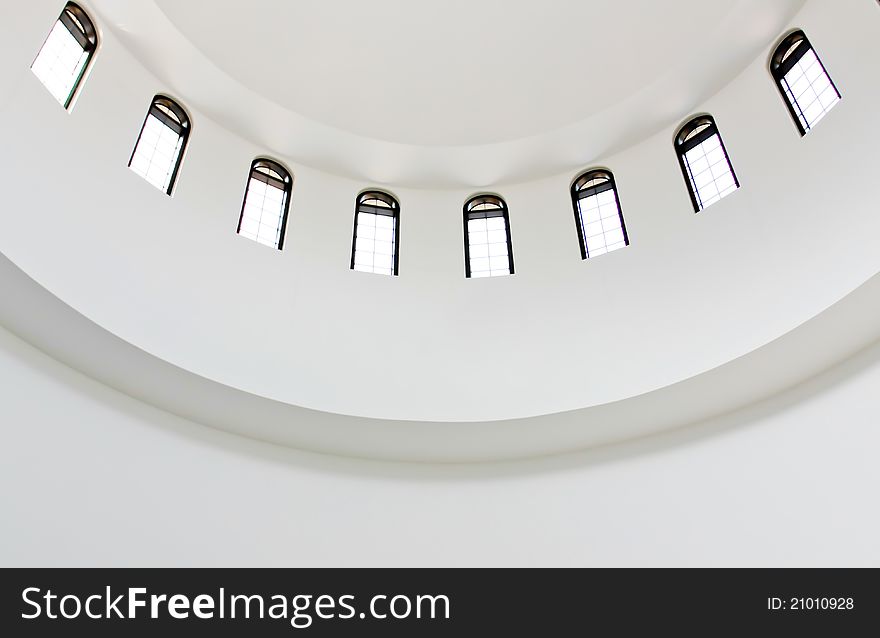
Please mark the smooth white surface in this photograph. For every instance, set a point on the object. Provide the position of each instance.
(91, 478)
(460, 72)
(690, 294)
(37, 316)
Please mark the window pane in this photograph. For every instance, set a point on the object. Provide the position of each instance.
(488, 250)
(601, 222)
(597, 212)
(157, 153)
(709, 172)
(375, 235)
(60, 63)
(809, 90)
(263, 212)
(803, 81)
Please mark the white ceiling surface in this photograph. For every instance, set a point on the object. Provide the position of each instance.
(459, 93)
(449, 73)
(40, 318)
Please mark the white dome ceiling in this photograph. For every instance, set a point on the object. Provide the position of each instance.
(460, 72)
(702, 313)
(439, 95)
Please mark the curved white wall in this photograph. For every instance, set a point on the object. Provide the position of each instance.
(91, 477)
(691, 293)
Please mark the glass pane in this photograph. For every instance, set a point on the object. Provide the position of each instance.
(262, 217)
(709, 171)
(157, 153)
(60, 63)
(601, 223)
(487, 247)
(374, 242)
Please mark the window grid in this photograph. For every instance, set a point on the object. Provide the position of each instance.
(157, 152)
(64, 56)
(159, 148)
(710, 172)
(599, 218)
(705, 162)
(487, 242)
(266, 202)
(809, 90)
(376, 234)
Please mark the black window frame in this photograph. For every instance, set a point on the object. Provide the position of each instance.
(182, 126)
(81, 26)
(361, 206)
(578, 192)
(285, 184)
(683, 145)
(469, 214)
(781, 63)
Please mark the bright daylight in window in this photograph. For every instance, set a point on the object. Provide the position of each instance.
(600, 218)
(158, 150)
(375, 236)
(262, 217)
(488, 250)
(709, 171)
(60, 63)
(809, 90)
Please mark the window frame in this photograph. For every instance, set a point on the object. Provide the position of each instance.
(780, 65)
(584, 178)
(286, 188)
(683, 145)
(72, 17)
(476, 200)
(390, 199)
(183, 128)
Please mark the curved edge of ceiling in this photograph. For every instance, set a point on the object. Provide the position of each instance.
(752, 26)
(38, 317)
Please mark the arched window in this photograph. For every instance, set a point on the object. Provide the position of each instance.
(376, 238)
(62, 61)
(487, 248)
(803, 81)
(266, 202)
(597, 213)
(160, 146)
(704, 162)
